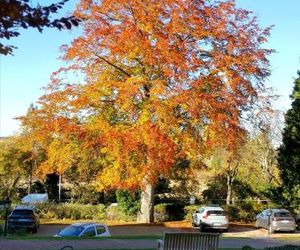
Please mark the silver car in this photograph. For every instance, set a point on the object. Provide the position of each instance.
(213, 217)
(276, 220)
(85, 229)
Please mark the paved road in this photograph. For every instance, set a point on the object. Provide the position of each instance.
(260, 242)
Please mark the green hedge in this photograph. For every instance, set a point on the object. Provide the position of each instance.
(71, 211)
(242, 212)
(117, 213)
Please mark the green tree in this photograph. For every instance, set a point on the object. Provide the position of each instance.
(289, 151)
(11, 171)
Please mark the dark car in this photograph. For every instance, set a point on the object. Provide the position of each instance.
(23, 217)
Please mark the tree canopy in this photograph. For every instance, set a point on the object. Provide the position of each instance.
(153, 81)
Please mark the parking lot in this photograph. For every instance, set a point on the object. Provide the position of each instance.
(238, 236)
(235, 230)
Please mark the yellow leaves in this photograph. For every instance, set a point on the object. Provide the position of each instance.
(144, 117)
(158, 87)
(61, 156)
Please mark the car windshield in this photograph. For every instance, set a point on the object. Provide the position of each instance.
(71, 231)
(24, 212)
(216, 213)
(282, 214)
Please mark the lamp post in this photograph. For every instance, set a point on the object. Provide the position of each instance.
(269, 222)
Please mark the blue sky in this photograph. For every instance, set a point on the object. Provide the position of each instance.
(23, 75)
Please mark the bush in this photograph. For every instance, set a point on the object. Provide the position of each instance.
(128, 202)
(115, 212)
(189, 210)
(168, 212)
(161, 213)
(71, 211)
(244, 212)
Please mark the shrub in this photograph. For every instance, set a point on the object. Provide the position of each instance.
(128, 202)
(169, 211)
(115, 212)
(189, 210)
(244, 212)
(71, 211)
(161, 213)
(100, 212)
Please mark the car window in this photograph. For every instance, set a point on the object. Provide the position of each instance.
(90, 231)
(201, 210)
(282, 214)
(71, 231)
(100, 229)
(266, 212)
(25, 212)
(216, 213)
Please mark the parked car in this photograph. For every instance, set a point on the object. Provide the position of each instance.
(23, 217)
(86, 229)
(213, 217)
(276, 220)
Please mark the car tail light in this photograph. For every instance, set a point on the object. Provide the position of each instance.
(206, 215)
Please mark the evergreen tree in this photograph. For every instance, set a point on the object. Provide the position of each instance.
(289, 151)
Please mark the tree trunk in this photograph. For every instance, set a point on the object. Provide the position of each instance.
(147, 205)
(229, 189)
(29, 184)
(59, 188)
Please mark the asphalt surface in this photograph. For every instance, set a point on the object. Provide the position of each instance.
(259, 243)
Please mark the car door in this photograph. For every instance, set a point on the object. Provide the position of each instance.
(197, 216)
(260, 219)
(265, 218)
(89, 232)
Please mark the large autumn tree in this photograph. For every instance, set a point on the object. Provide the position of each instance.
(156, 80)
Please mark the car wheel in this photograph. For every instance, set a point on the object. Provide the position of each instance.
(34, 230)
(298, 224)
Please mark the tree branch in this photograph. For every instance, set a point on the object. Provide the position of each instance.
(113, 65)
